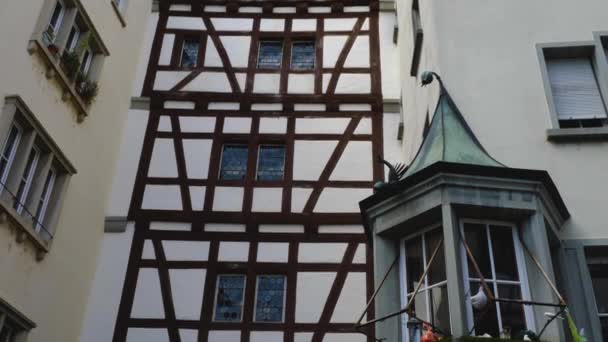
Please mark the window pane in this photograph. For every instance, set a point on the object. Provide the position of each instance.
(485, 318)
(234, 162)
(303, 55)
(414, 268)
(229, 301)
(604, 322)
(440, 308)
(56, 15)
(270, 54)
(8, 151)
(505, 262)
(477, 239)
(72, 39)
(271, 162)
(269, 298)
(420, 307)
(513, 318)
(436, 272)
(190, 53)
(26, 180)
(597, 260)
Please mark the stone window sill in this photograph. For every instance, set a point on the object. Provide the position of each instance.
(577, 134)
(54, 70)
(119, 14)
(8, 215)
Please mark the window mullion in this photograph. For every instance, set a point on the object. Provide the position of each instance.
(494, 284)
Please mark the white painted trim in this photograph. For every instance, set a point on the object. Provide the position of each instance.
(12, 153)
(28, 179)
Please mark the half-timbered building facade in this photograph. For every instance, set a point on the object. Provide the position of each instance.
(234, 212)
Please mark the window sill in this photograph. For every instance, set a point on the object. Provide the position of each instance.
(577, 134)
(119, 14)
(54, 70)
(8, 215)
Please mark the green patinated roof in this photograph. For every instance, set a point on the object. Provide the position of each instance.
(450, 139)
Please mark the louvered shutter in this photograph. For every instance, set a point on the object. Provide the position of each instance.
(576, 93)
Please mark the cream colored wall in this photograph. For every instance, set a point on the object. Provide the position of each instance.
(53, 292)
(486, 54)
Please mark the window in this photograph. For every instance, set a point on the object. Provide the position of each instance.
(303, 55)
(45, 197)
(270, 54)
(271, 162)
(417, 38)
(431, 302)
(270, 298)
(50, 34)
(498, 254)
(73, 38)
(85, 64)
(8, 152)
(234, 162)
(26, 180)
(190, 49)
(597, 261)
(229, 298)
(13, 325)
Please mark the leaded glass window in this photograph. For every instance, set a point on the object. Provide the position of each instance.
(190, 53)
(270, 298)
(303, 55)
(229, 298)
(234, 162)
(271, 162)
(270, 54)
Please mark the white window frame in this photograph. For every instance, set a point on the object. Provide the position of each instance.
(13, 152)
(257, 163)
(403, 295)
(71, 45)
(86, 62)
(521, 269)
(21, 201)
(217, 288)
(255, 304)
(45, 199)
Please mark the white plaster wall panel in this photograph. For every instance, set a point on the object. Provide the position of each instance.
(273, 125)
(250, 9)
(356, 162)
(266, 83)
(273, 252)
(356, 9)
(167, 50)
(164, 124)
(210, 81)
(241, 79)
(332, 46)
(309, 107)
(344, 337)
(197, 153)
(326, 78)
(176, 250)
(186, 23)
(299, 197)
(148, 252)
(232, 24)
(188, 335)
(304, 152)
(302, 25)
(162, 197)
(352, 300)
(345, 24)
(354, 84)
(301, 84)
(225, 227)
(321, 125)
(341, 200)
(392, 145)
(103, 301)
(223, 106)
(237, 48)
(180, 8)
(266, 336)
(233, 251)
(148, 335)
(179, 104)
(355, 107)
(228, 199)
(284, 10)
(267, 200)
(281, 228)
(147, 302)
(365, 26)
(272, 25)
(212, 57)
(319, 9)
(172, 226)
(197, 197)
(365, 126)
(144, 54)
(360, 254)
(224, 336)
(165, 80)
(312, 289)
(321, 252)
(358, 57)
(346, 229)
(237, 125)
(163, 162)
(302, 337)
(215, 9)
(187, 289)
(196, 124)
(267, 106)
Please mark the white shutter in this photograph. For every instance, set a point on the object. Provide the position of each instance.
(576, 93)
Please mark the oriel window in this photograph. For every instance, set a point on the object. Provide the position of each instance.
(303, 55)
(229, 298)
(234, 162)
(271, 162)
(270, 298)
(270, 54)
(190, 50)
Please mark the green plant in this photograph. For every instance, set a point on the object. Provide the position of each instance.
(70, 63)
(86, 89)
